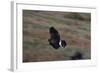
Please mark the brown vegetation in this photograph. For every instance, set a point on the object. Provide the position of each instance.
(73, 27)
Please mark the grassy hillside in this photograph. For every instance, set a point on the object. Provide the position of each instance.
(73, 27)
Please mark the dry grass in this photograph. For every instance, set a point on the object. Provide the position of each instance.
(73, 27)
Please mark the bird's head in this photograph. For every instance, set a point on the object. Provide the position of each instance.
(62, 43)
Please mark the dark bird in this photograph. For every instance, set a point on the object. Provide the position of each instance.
(54, 40)
(77, 56)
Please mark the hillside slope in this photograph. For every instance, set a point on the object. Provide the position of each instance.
(73, 27)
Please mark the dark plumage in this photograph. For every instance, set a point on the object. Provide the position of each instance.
(77, 56)
(54, 40)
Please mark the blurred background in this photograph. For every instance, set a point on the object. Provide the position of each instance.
(73, 27)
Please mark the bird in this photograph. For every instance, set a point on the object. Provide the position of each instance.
(55, 40)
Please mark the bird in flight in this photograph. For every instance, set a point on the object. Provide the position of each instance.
(55, 40)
